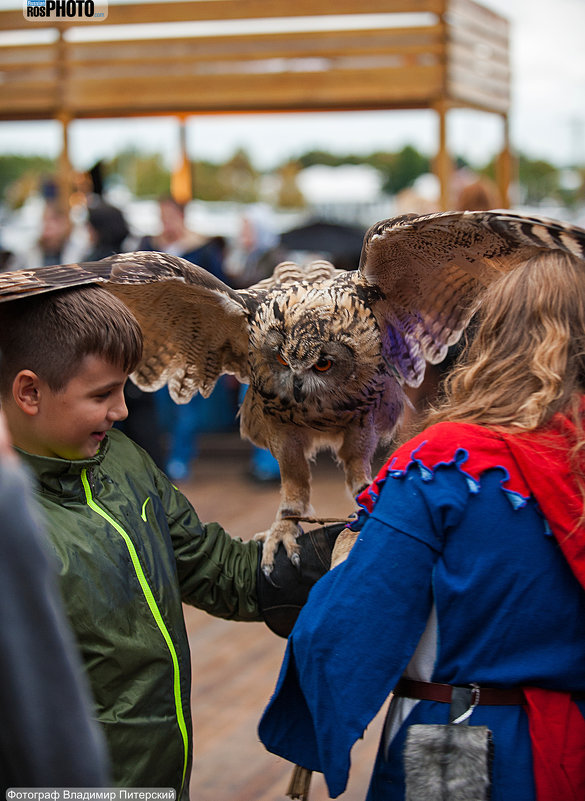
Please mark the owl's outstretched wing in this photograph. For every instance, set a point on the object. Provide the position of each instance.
(194, 326)
(431, 270)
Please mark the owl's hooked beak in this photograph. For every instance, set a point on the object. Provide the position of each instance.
(298, 393)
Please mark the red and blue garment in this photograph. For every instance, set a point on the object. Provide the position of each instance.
(470, 547)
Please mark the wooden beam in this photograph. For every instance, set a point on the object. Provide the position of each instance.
(406, 41)
(380, 88)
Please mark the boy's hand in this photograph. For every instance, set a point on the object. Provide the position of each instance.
(282, 596)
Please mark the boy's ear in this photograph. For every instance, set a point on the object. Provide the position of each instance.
(26, 391)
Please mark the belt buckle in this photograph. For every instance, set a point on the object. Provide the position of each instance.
(463, 702)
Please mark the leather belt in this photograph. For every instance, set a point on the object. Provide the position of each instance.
(432, 691)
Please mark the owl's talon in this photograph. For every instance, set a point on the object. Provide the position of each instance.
(267, 570)
(296, 560)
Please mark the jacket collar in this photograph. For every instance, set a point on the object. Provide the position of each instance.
(61, 476)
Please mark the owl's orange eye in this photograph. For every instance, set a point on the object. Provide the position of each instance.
(323, 364)
(281, 359)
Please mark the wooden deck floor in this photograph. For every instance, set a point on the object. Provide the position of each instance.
(235, 665)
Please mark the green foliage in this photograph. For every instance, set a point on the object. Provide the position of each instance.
(238, 180)
(539, 179)
(289, 194)
(405, 167)
(22, 173)
(327, 159)
(205, 183)
(144, 174)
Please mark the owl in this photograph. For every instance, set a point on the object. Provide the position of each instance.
(326, 353)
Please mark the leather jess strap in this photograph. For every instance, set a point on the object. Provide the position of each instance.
(432, 691)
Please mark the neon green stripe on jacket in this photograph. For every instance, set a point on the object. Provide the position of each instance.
(154, 610)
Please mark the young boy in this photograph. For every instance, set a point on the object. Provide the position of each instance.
(129, 545)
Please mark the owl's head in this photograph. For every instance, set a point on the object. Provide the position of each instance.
(317, 349)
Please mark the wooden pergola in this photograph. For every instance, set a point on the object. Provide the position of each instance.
(456, 55)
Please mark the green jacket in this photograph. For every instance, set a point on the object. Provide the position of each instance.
(130, 549)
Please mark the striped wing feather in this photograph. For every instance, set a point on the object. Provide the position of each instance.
(194, 326)
(432, 269)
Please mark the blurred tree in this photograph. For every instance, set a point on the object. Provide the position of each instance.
(289, 194)
(238, 179)
(329, 159)
(206, 185)
(21, 175)
(144, 174)
(539, 179)
(404, 168)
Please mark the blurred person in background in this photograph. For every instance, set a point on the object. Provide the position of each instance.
(58, 242)
(256, 250)
(107, 229)
(178, 240)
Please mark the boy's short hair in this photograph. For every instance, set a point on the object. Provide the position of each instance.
(51, 333)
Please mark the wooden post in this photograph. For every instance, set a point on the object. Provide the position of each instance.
(64, 169)
(443, 167)
(504, 166)
(181, 180)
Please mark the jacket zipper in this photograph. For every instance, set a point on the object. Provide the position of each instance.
(148, 594)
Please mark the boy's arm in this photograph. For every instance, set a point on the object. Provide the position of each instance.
(217, 572)
(221, 574)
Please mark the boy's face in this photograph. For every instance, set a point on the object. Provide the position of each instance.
(72, 423)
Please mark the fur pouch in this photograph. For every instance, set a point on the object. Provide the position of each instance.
(448, 762)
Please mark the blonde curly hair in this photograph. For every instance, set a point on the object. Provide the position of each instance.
(527, 359)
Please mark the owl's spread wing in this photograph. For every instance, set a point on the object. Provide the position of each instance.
(431, 270)
(194, 326)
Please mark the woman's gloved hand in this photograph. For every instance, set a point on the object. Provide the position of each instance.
(283, 595)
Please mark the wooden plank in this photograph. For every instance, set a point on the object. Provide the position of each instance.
(475, 15)
(489, 83)
(211, 10)
(471, 58)
(472, 40)
(463, 95)
(117, 75)
(378, 88)
(34, 100)
(16, 57)
(233, 48)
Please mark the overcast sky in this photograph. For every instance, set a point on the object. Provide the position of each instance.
(547, 120)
